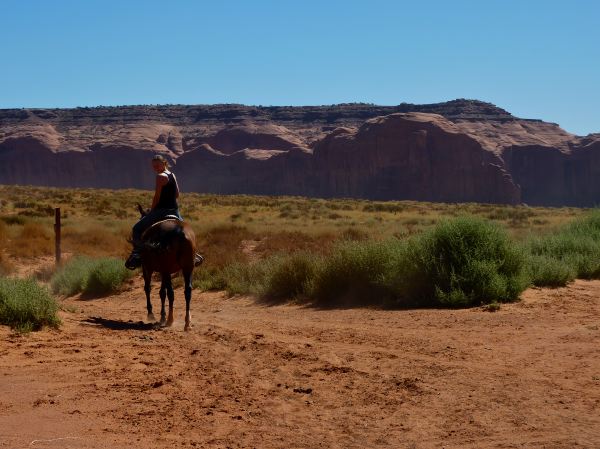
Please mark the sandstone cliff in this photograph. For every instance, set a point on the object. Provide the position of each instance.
(455, 151)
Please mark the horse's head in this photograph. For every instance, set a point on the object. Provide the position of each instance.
(143, 212)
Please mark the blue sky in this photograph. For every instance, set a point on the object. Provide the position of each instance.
(537, 59)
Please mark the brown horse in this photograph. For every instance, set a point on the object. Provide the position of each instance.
(169, 247)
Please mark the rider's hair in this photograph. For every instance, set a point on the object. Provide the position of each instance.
(161, 158)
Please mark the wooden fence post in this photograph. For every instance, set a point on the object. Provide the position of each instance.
(57, 234)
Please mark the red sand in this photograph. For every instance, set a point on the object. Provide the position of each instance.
(253, 376)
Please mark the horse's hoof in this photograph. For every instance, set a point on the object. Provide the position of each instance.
(163, 323)
(187, 327)
(169, 323)
(151, 317)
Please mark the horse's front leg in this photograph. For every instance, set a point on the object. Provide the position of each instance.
(187, 279)
(163, 296)
(171, 296)
(147, 288)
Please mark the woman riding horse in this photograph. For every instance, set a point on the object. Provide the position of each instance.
(164, 205)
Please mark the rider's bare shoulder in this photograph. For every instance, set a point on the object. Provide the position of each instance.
(162, 179)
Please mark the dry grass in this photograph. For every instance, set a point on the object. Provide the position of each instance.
(293, 241)
(6, 266)
(31, 240)
(3, 233)
(222, 244)
(96, 222)
(245, 239)
(96, 239)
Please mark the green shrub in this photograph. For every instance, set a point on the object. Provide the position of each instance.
(208, 278)
(350, 274)
(106, 276)
(546, 271)
(236, 278)
(71, 278)
(245, 278)
(25, 305)
(289, 276)
(353, 274)
(274, 278)
(461, 262)
(91, 276)
(573, 251)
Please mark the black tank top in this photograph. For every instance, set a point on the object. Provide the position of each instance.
(168, 195)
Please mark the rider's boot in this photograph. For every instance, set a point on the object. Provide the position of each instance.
(135, 259)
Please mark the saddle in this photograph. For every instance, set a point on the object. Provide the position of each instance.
(158, 242)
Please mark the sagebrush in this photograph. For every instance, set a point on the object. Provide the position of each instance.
(25, 305)
(571, 252)
(93, 277)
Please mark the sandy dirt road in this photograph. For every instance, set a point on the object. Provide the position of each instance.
(254, 376)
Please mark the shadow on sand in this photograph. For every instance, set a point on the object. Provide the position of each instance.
(119, 325)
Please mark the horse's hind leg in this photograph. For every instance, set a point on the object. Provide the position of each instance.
(163, 296)
(171, 296)
(187, 279)
(147, 288)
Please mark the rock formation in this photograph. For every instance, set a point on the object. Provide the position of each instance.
(457, 151)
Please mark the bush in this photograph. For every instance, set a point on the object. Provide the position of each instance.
(91, 276)
(277, 277)
(235, 278)
(461, 262)
(106, 276)
(26, 306)
(208, 278)
(71, 278)
(245, 278)
(353, 274)
(574, 251)
(546, 271)
(289, 277)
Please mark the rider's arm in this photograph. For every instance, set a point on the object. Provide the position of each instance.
(161, 180)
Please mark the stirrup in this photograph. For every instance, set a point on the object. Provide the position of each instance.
(198, 259)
